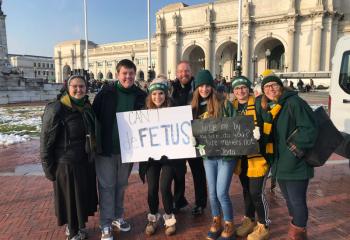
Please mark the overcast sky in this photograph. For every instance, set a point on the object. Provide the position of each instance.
(35, 26)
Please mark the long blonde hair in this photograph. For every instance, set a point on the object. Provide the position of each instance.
(214, 104)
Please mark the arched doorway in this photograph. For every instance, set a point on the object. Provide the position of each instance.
(270, 54)
(226, 60)
(99, 76)
(196, 57)
(109, 75)
(140, 76)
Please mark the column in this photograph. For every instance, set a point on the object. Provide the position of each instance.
(290, 56)
(175, 59)
(245, 55)
(160, 60)
(316, 48)
(208, 58)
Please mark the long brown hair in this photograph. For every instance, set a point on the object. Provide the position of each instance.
(214, 104)
(150, 105)
(265, 100)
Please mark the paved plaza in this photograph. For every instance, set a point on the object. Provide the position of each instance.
(27, 212)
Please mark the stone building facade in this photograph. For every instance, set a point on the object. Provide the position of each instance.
(290, 36)
(36, 67)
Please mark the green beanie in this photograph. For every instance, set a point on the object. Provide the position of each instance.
(204, 77)
(158, 84)
(241, 80)
(271, 78)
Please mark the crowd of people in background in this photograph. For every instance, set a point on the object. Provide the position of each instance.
(80, 147)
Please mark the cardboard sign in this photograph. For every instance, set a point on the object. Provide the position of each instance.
(225, 136)
(154, 133)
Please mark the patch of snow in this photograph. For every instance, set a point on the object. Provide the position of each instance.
(9, 139)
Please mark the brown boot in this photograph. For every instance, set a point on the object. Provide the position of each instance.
(246, 227)
(229, 231)
(296, 233)
(215, 228)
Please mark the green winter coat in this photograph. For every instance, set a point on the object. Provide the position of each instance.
(295, 113)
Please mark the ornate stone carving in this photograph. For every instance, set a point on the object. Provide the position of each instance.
(160, 24)
(208, 15)
(176, 20)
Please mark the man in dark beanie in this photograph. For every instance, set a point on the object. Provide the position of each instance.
(182, 90)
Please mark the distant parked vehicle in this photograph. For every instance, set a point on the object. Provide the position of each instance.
(339, 94)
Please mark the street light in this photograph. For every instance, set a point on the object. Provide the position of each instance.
(132, 55)
(169, 72)
(254, 60)
(267, 55)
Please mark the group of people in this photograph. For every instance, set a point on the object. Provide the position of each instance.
(80, 144)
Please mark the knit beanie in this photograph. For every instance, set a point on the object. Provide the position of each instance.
(204, 77)
(241, 80)
(158, 83)
(271, 78)
(75, 76)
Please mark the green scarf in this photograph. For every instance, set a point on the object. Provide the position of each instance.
(78, 102)
(120, 87)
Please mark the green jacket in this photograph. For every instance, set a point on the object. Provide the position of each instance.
(295, 113)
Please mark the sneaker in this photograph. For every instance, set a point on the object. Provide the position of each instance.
(261, 232)
(82, 234)
(122, 225)
(107, 233)
(246, 227)
(197, 210)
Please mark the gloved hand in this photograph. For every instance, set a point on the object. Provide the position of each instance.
(256, 133)
(193, 141)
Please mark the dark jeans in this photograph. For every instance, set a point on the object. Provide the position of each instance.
(160, 173)
(294, 191)
(254, 197)
(200, 184)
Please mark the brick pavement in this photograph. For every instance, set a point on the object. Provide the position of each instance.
(26, 205)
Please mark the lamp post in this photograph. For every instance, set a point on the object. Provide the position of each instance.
(254, 60)
(267, 55)
(35, 73)
(132, 54)
(169, 72)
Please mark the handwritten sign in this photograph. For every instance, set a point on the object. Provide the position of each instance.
(154, 133)
(225, 136)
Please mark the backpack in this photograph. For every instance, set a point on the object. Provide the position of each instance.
(328, 139)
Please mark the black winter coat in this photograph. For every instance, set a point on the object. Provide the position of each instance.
(105, 107)
(182, 95)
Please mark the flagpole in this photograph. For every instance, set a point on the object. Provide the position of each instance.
(239, 47)
(149, 40)
(86, 38)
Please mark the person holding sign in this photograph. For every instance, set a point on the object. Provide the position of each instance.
(206, 103)
(254, 171)
(283, 112)
(67, 144)
(159, 172)
(112, 174)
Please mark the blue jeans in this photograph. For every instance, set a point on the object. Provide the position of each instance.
(112, 176)
(294, 191)
(219, 174)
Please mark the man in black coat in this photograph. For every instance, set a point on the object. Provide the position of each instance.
(112, 174)
(182, 89)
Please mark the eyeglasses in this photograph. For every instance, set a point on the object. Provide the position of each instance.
(78, 86)
(273, 85)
